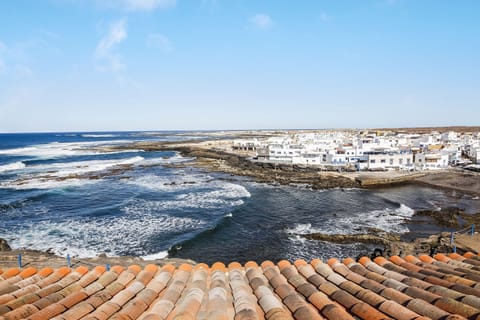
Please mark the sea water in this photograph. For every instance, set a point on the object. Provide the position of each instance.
(64, 193)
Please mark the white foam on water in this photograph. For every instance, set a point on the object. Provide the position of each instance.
(100, 135)
(170, 160)
(183, 180)
(201, 200)
(82, 167)
(155, 256)
(300, 248)
(60, 175)
(45, 184)
(302, 228)
(164, 183)
(228, 190)
(89, 237)
(12, 166)
(434, 205)
(189, 202)
(389, 220)
(193, 191)
(62, 149)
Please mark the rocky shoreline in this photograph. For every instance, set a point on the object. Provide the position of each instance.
(389, 243)
(217, 156)
(40, 259)
(408, 243)
(214, 155)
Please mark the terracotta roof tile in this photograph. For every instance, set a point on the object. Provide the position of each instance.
(48, 312)
(409, 292)
(471, 255)
(9, 273)
(443, 287)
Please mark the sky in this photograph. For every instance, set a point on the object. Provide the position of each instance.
(113, 65)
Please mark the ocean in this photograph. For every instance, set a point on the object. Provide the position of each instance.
(61, 192)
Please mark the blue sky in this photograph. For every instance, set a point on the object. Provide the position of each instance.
(95, 65)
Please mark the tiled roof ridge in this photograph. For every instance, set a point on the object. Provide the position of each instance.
(413, 287)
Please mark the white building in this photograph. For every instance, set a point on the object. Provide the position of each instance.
(475, 155)
(382, 160)
(367, 150)
(284, 153)
(309, 158)
(431, 161)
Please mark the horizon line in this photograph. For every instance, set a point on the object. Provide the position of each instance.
(477, 127)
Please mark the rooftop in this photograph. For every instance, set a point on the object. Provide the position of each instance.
(414, 287)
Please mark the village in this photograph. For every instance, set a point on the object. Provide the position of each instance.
(367, 150)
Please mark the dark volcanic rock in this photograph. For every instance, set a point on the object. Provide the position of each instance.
(450, 217)
(262, 171)
(4, 245)
(447, 217)
(384, 238)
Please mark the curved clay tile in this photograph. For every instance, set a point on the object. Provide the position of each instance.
(413, 287)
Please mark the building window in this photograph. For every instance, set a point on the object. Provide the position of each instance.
(372, 161)
(383, 161)
(391, 162)
(400, 161)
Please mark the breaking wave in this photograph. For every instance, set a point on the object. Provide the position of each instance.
(60, 149)
(12, 166)
(90, 237)
(64, 174)
(389, 220)
(99, 135)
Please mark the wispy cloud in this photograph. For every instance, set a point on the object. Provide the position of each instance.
(325, 17)
(106, 52)
(22, 71)
(2, 63)
(159, 41)
(17, 59)
(390, 3)
(48, 34)
(261, 21)
(135, 5)
(148, 5)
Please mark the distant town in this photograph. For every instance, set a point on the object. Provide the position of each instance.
(367, 150)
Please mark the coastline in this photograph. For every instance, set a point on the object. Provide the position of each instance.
(217, 156)
(41, 259)
(401, 244)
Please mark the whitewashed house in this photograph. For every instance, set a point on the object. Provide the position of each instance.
(431, 161)
(335, 156)
(284, 153)
(309, 158)
(380, 160)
